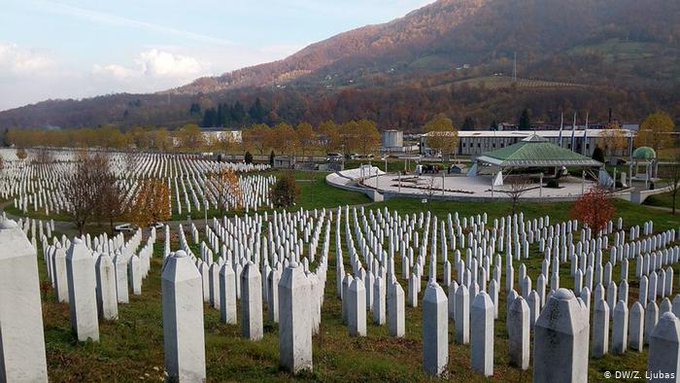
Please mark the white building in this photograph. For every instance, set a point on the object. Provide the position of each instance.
(392, 140)
(474, 143)
(213, 134)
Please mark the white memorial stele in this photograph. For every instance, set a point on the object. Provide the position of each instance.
(82, 291)
(22, 340)
(560, 337)
(183, 334)
(295, 326)
(435, 330)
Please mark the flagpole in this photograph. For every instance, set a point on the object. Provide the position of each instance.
(561, 127)
(573, 132)
(585, 135)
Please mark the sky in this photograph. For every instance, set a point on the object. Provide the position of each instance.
(77, 48)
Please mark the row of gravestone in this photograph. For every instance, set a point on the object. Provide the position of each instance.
(87, 280)
(360, 278)
(42, 190)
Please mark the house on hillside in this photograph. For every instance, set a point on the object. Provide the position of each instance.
(212, 134)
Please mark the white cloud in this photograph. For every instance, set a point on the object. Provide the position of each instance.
(154, 64)
(20, 61)
(116, 71)
(165, 64)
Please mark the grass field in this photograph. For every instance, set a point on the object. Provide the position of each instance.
(131, 349)
(662, 200)
(502, 82)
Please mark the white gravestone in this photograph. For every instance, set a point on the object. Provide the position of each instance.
(183, 334)
(22, 341)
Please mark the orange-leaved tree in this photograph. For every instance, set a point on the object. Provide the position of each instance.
(226, 189)
(594, 208)
(151, 204)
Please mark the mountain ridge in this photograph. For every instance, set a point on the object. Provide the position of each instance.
(450, 56)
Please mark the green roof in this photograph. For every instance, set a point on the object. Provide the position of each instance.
(644, 153)
(536, 151)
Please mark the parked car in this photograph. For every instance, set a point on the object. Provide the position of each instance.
(124, 227)
(332, 157)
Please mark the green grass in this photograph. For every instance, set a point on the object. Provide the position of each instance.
(662, 200)
(131, 349)
(40, 214)
(502, 82)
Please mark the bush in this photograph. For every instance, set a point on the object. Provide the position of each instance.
(248, 158)
(598, 154)
(21, 154)
(553, 183)
(594, 208)
(286, 191)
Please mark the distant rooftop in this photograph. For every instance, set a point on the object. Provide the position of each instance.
(566, 133)
(536, 151)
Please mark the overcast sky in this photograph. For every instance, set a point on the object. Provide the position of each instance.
(79, 48)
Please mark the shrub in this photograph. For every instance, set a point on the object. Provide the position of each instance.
(286, 191)
(598, 154)
(594, 208)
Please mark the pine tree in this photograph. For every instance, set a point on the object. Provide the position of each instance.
(468, 124)
(524, 120)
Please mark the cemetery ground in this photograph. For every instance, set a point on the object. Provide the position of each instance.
(131, 348)
(661, 200)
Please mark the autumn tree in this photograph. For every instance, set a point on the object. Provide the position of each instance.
(306, 138)
(613, 140)
(160, 140)
(441, 135)
(368, 136)
(226, 190)
(191, 137)
(349, 136)
(226, 142)
(594, 208)
(330, 136)
(656, 131)
(283, 139)
(285, 191)
(257, 137)
(21, 154)
(151, 203)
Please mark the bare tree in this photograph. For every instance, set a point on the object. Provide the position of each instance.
(517, 186)
(85, 187)
(43, 156)
(227, 190)
(131, 161)
(671, 173)
(111, 201)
